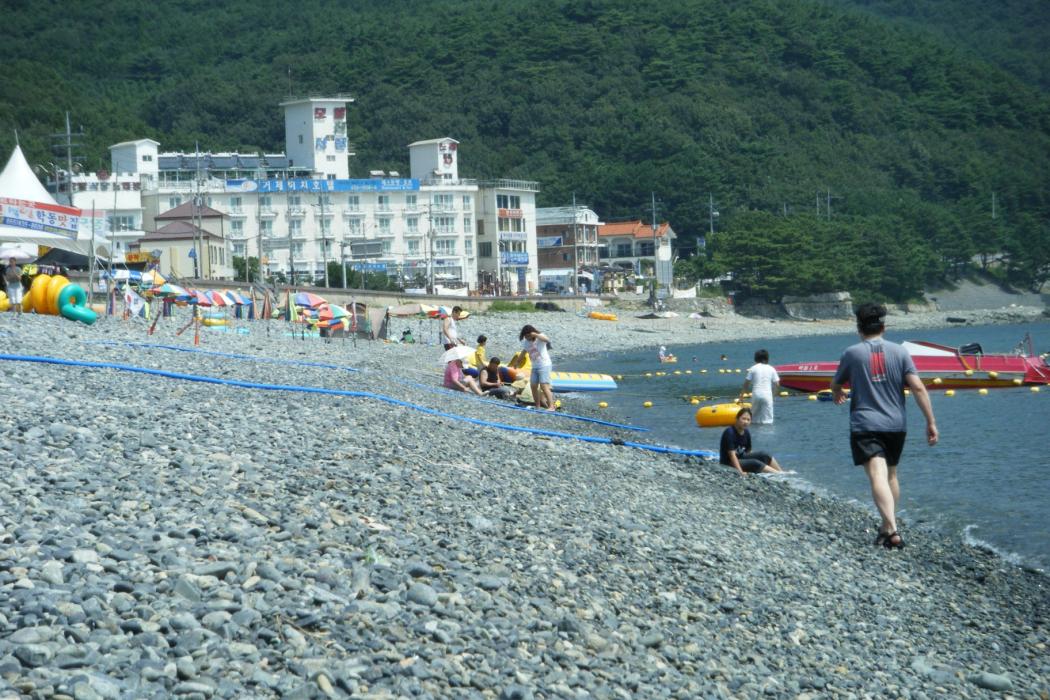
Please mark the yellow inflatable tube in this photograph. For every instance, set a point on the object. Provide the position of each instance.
(5, 303)
(55, 295)
(601, 316)
(718, 415)
(37, 296)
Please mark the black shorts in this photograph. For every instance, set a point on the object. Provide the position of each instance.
(873, 444)
(754, 462)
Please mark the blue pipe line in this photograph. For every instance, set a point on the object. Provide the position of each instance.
(239, 356)
(352, 394)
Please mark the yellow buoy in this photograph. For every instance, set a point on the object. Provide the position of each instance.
(648, 404)
(703, 371)
(695, 401)
(689, 371)
(784, 393)
(950, 392)
(982, 391)
(1017, 382)
(993, 374)
(677, 371)
(737, 371)
(718, 415)
(557, 404)
(619, 376)
(907, 392)
(648, 374)
(747, 394)
(968, 373)
(1034, 390)
(938, 380)
(812, 397)
(602, 404)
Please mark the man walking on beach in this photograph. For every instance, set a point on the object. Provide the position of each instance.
(449, 329)
(877, 371)
(13, 280)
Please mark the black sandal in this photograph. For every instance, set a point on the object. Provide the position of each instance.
(888, 542)
(880, 539)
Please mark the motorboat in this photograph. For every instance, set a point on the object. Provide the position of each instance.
(940, 367)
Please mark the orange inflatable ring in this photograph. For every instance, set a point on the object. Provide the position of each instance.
(53, 288)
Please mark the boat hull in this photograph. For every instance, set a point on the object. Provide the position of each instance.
(961, 372)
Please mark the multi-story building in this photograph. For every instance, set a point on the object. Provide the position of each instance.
(567, 240)
(626, 244)
(300, 211)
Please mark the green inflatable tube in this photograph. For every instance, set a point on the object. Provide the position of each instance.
(72, 303)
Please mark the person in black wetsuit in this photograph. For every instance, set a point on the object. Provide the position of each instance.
(735, 448)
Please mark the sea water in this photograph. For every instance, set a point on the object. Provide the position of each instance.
(987, 479)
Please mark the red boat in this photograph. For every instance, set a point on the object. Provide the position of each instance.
(940, 367)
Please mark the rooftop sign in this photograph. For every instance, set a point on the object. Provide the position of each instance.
(304, 184)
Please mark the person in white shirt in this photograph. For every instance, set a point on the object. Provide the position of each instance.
(538, 345)
(763, 382)
(450, 331)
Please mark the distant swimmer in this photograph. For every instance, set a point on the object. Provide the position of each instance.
(666, 356)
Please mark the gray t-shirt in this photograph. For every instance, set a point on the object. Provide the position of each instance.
(875, 370)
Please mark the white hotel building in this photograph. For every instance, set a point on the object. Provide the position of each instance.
(301, 208)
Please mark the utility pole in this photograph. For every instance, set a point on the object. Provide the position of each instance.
(652, 289)
(711, 214)
(324, 236)
(291, 259)
(430, 250)
(198, 242)
(575, 249)
(258, 233)
(64, 142)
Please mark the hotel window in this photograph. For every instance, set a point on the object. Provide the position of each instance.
(297, 250)
(485, 249)
(354, 227)
(294, 201)
(326, 227)
(174, 202)
(468, 224)
(235, 204)
(386, 248)
(353, 203)
(147, 158)
(444, 224)
(236, 228)
(413, 246)
(295, 227)
(266, 229)
(468, 246)
(264, 202)
(468, 202)
(411, 202)
(383, 226)
(445, 246)
(443, 202)
(383, 202)
(412, 224)
(508, 201)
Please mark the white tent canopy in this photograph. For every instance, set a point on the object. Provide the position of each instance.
(17, 181)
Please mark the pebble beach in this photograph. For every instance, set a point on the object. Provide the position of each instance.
(264, 516)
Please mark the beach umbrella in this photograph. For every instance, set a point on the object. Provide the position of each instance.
(265, 307)
(411, 309)
(153, 278)
(310, 301)
(9, 251)
(236, 298)
(167, 291)
(199, 298)
(459, 352)
(442, 311)
(218, 298)
(328, 312)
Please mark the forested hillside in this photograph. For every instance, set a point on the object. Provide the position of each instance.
(773, 107)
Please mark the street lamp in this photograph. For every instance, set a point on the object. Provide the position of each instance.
(324, 236)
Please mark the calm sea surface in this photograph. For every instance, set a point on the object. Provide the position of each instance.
(987, 479)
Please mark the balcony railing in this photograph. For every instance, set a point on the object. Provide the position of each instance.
(296, 211)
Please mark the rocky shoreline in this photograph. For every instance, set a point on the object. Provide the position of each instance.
(168, 538)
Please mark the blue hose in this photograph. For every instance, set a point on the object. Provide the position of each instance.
(323, 365)
(352, 394)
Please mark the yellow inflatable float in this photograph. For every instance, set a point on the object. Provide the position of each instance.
(56, 295)
(718, 415)
(5, 303)
(601, 316)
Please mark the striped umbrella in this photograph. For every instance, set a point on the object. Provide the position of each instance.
(310, 301)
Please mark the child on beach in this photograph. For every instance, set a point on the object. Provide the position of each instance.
(735, 448)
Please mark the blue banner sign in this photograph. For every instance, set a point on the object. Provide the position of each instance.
(369, 267)
(305, 184)
(509, 257)
(549, 242)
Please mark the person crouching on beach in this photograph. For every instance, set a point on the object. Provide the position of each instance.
(491, 383)
(456, 380)
(735, 448)
(537, 345)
